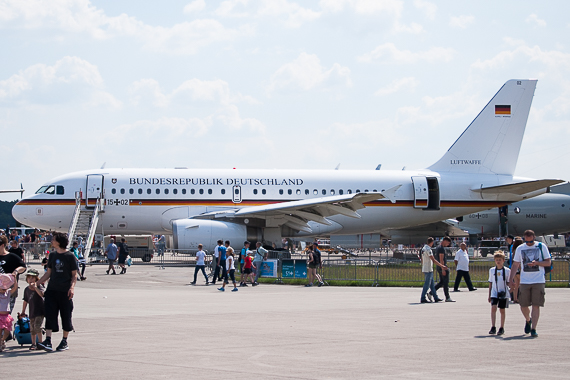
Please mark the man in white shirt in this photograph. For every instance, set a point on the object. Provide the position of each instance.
(531, 257)
(427, 268)
(462, 268)
(200, 265)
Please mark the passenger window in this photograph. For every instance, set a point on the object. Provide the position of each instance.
(174, 191)
(113, 191)
(223, 191)
(201, 191)
(59, 190)
(298, 191)
(209, 191)
(365, 191)
(140, 191)
(158, 191)
(332, 191)
(122, 191)
(131, 191)
(148, 191)
(375, 190)
(50, 190)
(263, 192)
(290, 192)
(349, 191)
(280, 191)
(324, 192)
(316, 192)
(184, 191)
(307, 191)
(357, 191)
(165, 191)
(340, 192)
(192, 191)
(255, 191)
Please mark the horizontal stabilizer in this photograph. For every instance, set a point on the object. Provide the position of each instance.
(519, 188)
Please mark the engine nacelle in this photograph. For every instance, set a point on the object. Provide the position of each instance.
(188, 233)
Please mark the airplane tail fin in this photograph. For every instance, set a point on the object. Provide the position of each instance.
(492, 142)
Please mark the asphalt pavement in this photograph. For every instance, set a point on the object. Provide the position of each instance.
(150, 324)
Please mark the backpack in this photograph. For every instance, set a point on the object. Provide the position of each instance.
(317, 257)
(24, 324)
(546, 269)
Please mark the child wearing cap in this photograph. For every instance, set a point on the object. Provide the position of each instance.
(34, 296)
(8, 286)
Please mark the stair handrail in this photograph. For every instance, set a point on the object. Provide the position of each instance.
(92, 228)
(74, 219)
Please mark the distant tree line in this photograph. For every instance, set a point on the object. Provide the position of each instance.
(6, 215)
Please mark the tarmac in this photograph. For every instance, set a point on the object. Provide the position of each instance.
(150, 324)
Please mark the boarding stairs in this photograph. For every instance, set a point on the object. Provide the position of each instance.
(84, 224)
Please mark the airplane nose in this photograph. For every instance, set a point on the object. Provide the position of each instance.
(19, 213)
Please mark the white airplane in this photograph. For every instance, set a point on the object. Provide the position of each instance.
(201, 206)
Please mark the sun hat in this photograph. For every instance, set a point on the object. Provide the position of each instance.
(33, 272)
(6, 281)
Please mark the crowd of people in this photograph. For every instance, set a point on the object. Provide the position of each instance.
(522, 281)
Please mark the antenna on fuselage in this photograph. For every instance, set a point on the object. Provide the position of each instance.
(338, 166)
(378, 167)
(103, 166)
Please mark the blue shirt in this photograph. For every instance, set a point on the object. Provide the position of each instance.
(222, 252)
(111, 251)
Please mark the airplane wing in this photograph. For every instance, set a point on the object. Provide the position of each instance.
(297, 214)
(519, 188)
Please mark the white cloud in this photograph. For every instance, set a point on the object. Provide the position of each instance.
(363, 6)
(80, 16)
(217, 91)
(533, 19)
(389, 53)
(69, 79)
(552, 58)
(195, 6)
(409, 84)
(430, 9)
(461, 21)
(306, 73)
(294, 15)
(165, 127)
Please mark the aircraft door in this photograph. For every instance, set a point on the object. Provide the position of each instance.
(236, 194)
(420, 192)
(94, 189)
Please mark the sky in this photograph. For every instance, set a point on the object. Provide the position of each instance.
(271, 84)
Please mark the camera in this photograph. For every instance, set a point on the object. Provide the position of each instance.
(502, 295)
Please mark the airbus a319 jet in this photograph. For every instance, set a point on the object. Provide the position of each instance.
(201, 206)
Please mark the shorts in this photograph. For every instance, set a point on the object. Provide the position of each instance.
(111, 261)
(36, 325)
(6, 322)
(312, 266)
(246, 270)
(58, 303)
(502, 303)
(122, 259)
(531, 295)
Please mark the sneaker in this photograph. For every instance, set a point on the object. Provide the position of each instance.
(456, 290)
(438, 300)
(234, 289)
(192, 283)
(472, 290)
(243, 284)
(320, 284)
(425, 301)
(62, 345)
(221, 289)
(107, 271)
(430, 297)
(501, 331)
(308, 285)
(46, 345)
(493, 330)
(83, 278)
(527, 326)
(449, 300)
(255, 284)
(533, 333)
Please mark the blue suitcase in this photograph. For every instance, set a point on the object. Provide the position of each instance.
(22, 337)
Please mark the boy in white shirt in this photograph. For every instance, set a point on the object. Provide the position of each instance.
(498, 291)
(200, 265)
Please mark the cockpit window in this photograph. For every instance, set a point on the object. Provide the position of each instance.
(59, 190)
(50, 189)
(41, 190)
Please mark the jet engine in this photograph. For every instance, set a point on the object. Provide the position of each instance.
(188, 233)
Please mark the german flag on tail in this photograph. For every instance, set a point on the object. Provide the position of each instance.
(502, 110)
